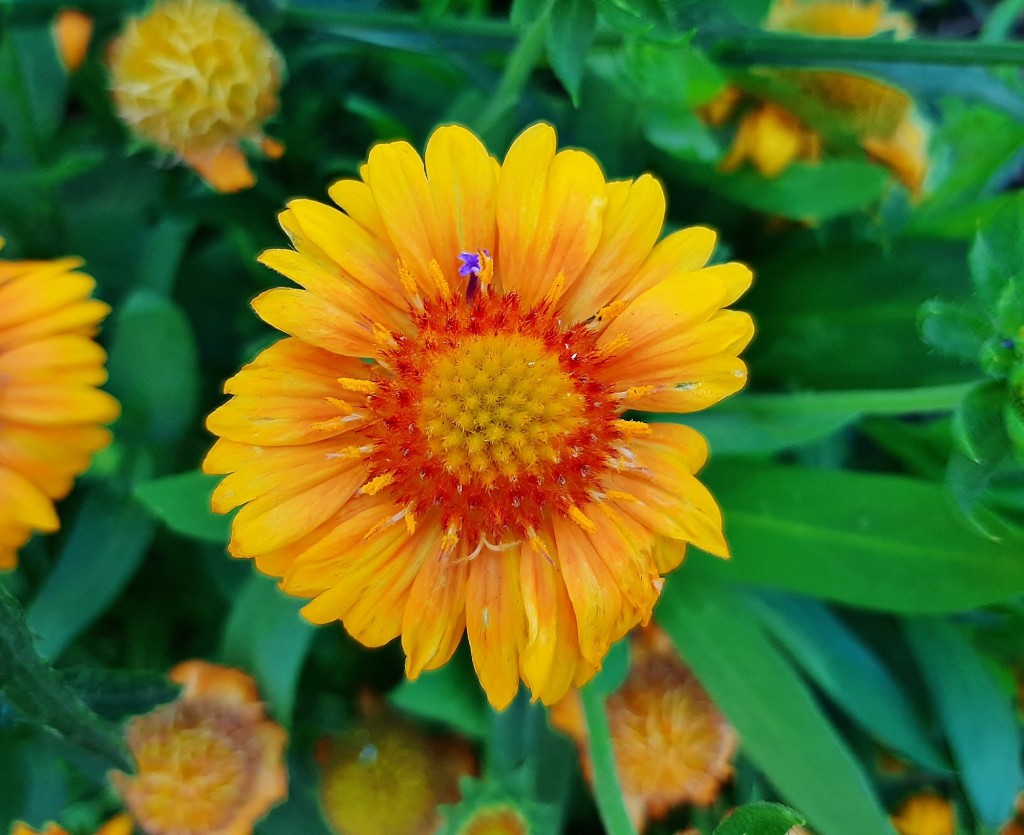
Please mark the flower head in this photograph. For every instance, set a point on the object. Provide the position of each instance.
(209, 763)
(498, 807)
(119, 825)
(384, 776)
(196, 78)
(925, 814)
(877, 115)
(671, 743)
(480, 473)
(51, 411)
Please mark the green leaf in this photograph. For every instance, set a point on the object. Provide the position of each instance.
(154, 369)
(978, 424)
(854, 538)
(998, 252)
(805, 192)
(847, 671)
(668, 19)
(118, 694)
(182, 502)
(759, 819)
(450, 695)
(33, 87)
(266, 635)
(607, 788)
(105, 544)
(676, 74)
(570, 33)
(527, 11)
(968, 483)
(977, 716)
(957, 330)
(1014, 415)
(39, 693)
(614, 669)
(784, 731)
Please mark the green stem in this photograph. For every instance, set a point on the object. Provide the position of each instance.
(1001, 21)
(607, 789)
(39, 693)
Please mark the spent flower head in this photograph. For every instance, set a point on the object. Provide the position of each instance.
(51, 409)
(481, 474)
(198, 78)
(209, 763)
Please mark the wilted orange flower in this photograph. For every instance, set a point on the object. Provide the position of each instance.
(51, 411)
(209, 763)
(120, 825)
(879, 116)
(198, 78)
(671, 743)
(72, 30)
(479, 474)
(925, 814)
(384, 776)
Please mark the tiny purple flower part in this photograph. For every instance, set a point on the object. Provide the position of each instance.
(471, 263)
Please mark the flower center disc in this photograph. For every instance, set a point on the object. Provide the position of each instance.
(496, 405)
(492, 417)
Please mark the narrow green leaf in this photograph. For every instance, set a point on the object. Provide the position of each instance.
(846, 670)
(784, 731)
(41, 695)
(998, 252)
(570, 33)
(759, 819)
(266, 635)
(614, 669)
(118, 694)
(106, 541)
(607, 788)
(527, 11)
(182, 502)
(968, 483)
(977, 716)
(154, 368)
(1014, 415)
(450, 695)
(1001, 21)
(33, 87)
(855, 538)
(161, 256)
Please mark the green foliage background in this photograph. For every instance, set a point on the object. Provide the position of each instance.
(870, 475)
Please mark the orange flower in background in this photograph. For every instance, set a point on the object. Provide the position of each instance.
(209, 763)
(198, 78)
(479, 474)
(51, 411)
(120, 825)
(73, 31)
(671, 743)
(925, 814)
(384, 776)
(879, 117)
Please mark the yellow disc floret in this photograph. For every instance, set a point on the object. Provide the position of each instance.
(195, 77)
(493, 404)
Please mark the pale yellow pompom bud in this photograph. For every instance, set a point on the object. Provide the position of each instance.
(196, 77)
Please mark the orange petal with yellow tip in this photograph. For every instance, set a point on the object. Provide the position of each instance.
(273, 520)
(496, 623)
(552, 647)
(632, 221)
(463, 180)
(226, 170)
(439, 589)
(595, 596)
(700, 384)
(398, 182)
(522, 187)
(684, 251)
(42, 404)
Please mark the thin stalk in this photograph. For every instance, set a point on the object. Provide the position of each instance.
(607, 788)
(868, 402)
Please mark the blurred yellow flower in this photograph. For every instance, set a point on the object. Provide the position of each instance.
(479, 474)
(386, 777)
(197, 78)
(120, 825)
(209, 763)
(672, 745)
(73, 31)
(879, 116)
(502, 821)
(51, 411)
(925, 814)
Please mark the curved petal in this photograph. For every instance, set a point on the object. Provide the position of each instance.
(24, 504)
(687, 250)
(356, 200)
(700, 384)
(496, 623)
(435, 614)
